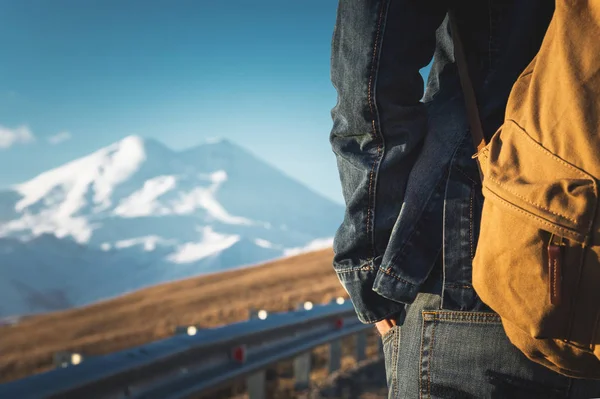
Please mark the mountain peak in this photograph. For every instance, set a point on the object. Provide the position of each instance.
(139, 144)
(132, 139)
(96, 174)
(128, 147)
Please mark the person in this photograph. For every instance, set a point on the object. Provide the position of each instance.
(413, 193)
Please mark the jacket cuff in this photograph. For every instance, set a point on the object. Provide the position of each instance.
(370, 307)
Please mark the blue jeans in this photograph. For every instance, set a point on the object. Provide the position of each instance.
(438, 353)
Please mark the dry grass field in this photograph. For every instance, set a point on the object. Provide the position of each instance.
(153, 313)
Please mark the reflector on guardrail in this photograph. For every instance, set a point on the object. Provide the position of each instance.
(260, 314)
(188, 330)
(66, 359)
(238, 354)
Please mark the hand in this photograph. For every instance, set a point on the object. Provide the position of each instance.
(385, 325)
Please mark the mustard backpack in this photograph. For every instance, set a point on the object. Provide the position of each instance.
(537, 262)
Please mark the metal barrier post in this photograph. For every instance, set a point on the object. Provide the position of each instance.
(335, 355)
(302, 372)
(361, 346)
(255, 384)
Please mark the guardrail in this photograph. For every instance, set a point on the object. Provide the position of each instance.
(185, 365)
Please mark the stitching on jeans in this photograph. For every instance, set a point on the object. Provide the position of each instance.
(395, 373)
(485, 322)
(462, 172)
(357, 269)
(391, 274)
(463, 317)
(371, 204)
(421, 357)
(430, 363)
(537, 218)
(442, 314)
(371, 195)
(465, 286)
(373, 59)
(471, 251)
(473, 321)
(369, 208)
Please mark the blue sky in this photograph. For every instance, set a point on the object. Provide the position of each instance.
(77, 75)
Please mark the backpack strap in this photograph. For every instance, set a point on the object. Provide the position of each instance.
(467, 87)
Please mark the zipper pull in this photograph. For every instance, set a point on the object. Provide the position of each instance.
(555, 263)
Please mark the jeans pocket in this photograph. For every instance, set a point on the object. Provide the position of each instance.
(390, 341)
(467, 355)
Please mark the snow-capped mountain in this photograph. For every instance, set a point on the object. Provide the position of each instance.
(138, 213)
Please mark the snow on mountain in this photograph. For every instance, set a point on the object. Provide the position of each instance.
(137, 213)
(210, 243)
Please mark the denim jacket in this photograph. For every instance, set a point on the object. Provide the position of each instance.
(411, 188)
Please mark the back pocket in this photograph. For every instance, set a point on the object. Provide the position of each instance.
(467, 355)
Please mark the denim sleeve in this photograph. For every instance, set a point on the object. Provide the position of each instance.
(379, 124)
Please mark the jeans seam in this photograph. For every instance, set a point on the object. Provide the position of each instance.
(429, 364)
(462, 172)
(471, 229)
(391, 274)
(370, 93)
(373, 109)
(421, 357)
(395, 369)
(463, 286)
(371, 201)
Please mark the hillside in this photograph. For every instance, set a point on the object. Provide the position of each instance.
(153, 313)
